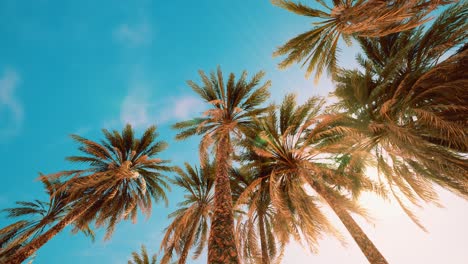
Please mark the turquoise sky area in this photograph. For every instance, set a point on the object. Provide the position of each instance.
(75, 67)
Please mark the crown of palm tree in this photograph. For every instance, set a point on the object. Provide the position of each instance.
(290, 146)
(190, 224)
(233, 107)
(409, 111)
(36, 209)
(284, 151)
(38, 216)
(15, 235)
(373, 18)
(143, 257)
(122, 176)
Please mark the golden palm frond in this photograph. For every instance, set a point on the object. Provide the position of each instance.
(189, 227)
(410, 109)
(318, 48)
(143, 257)
(122, 176)
(37, 217)
(287, 152)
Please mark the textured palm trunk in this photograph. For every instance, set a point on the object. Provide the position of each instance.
(222, 245)
(263, 242)
(367, 247)
(27, 251)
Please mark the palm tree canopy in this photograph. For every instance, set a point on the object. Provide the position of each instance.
(305, 168)
(122, 176)
(36, 211)
(409, 110)
(234, 105)
(286, 148)
(143, 257)
(190, 224)
(318, 47)
(38, 215)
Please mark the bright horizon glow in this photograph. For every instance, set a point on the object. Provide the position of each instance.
(394, 234)
(398, 239)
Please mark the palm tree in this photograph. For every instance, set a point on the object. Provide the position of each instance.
(233, 106)
(347, 19)
(39, 215)
(408, 111)
(291, 143)
(122, 177)
(143, 257)
(190, 225)
(258, 221)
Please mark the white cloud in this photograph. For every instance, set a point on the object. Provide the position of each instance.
(135, 109)
(11, 109)
(184, 107)
(146, 104)
(134, 35)
(111, 124)
(179, 108)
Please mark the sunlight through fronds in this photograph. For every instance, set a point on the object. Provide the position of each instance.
(410, 109)
(318, 48)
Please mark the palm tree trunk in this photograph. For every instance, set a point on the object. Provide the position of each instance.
(27, 251)
(367, 247)
(222, 245)
(263, 243)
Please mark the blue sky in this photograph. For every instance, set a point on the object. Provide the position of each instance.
(79, 66)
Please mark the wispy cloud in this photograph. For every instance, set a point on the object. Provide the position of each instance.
(134, 111)
(135, 108)
(110, 124)
(145, 103)
(185, 106)
(179, 108)
(137, 111)
(141, 108)
(11, 109)
(134, 34)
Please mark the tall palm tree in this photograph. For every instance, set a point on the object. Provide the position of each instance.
(143, 257)
(122, 176)
(260, 237)
(190, 224)
(318, 47)
(408, 111)
(38, 216)
(233, 106)
(291, 143)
